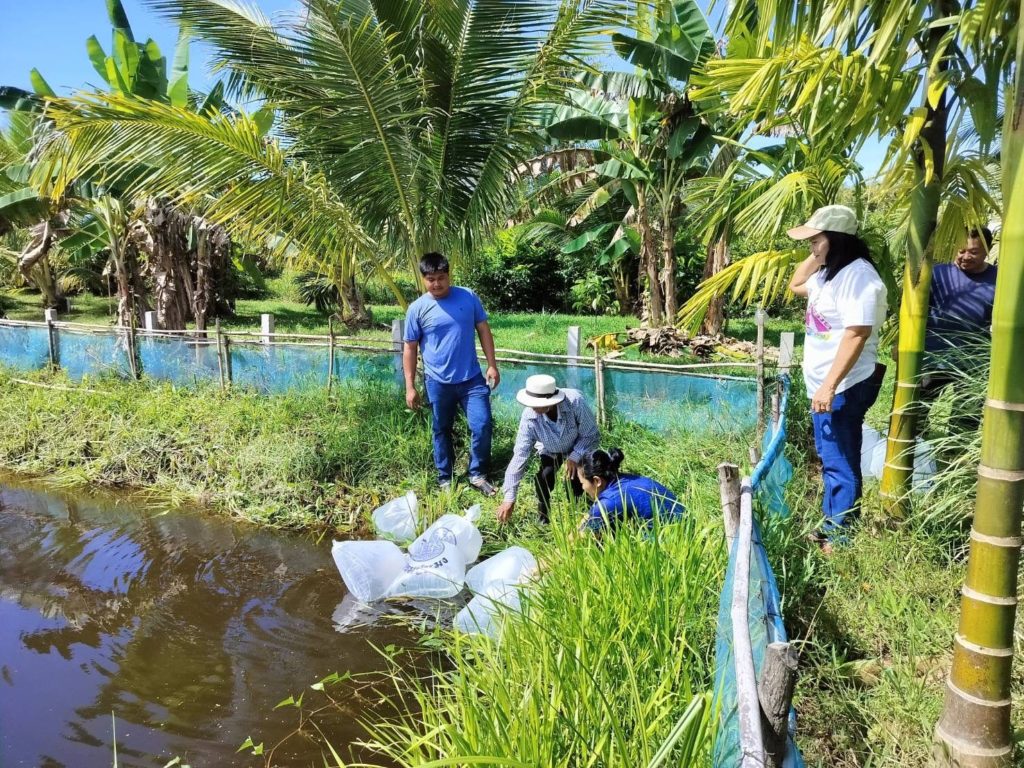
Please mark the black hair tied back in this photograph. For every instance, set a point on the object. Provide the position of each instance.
(603, 464)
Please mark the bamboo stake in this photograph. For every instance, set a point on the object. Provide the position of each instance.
(133, 360)
(220, 354)
(599, 387)
(330, 354)
(760, 316)
(51, 341)
(729, 488)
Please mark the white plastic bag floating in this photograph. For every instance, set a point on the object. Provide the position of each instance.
(514, 565)
(482, 614)
(435, 566)
(872, 458)
(352, 613)
(397, 519)
(368, 567)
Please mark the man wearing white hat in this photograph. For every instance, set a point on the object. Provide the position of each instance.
(560, 424)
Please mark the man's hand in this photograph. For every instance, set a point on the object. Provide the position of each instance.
(492, 376)
(412, 398)
(570, 469)
(822, 400)
(504, 511)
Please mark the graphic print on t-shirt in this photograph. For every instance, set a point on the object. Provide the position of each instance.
(816, 324)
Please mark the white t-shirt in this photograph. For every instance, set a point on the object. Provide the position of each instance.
(856, 296)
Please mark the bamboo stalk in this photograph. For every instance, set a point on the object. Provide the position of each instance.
(975, 729)
(51, 342)
(133, 360)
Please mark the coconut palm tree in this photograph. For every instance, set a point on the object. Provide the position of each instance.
(397, 126)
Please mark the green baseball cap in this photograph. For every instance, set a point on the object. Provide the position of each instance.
(830, 218)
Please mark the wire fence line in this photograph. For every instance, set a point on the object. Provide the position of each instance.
(701, 397)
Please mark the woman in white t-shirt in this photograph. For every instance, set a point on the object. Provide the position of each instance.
(846, 305)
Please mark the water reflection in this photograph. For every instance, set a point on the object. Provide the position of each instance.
(188, 629)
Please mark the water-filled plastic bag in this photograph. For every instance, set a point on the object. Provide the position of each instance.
(435, 566)
(368, 567)
(397, 519)
(872, 458)
(467, 537)
(514, 565)
(482, 614)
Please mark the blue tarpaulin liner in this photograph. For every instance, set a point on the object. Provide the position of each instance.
(662, 401)
(764, 610)
(84, 354)
(23, 348)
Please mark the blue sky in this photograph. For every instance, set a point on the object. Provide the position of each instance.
(50, 35)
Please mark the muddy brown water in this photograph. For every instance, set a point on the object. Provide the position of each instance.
(187, 627)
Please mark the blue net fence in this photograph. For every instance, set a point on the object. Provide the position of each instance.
(662, 400)
(764, 612)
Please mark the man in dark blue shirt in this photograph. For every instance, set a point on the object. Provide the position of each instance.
(443, 324)
(959, 322)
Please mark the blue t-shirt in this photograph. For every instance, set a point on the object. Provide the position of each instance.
(446, 332)
(960, 308)
(633, 497)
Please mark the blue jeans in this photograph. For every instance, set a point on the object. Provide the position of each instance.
(474, 397)
(837, 438)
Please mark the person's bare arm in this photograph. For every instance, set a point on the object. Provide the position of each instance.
(803, 273)
(410, 353)
(483, 330)
(850, 347)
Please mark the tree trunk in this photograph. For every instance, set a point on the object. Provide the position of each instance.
(212, 254)
(648, 263)
(354, 312)
(668, 265)
(131, 295)
(166, 246)
(34, 261)
(718, 259)
(975, 729)
(924, 211)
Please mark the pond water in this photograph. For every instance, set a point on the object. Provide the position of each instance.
(188, 628)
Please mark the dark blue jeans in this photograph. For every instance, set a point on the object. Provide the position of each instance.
(837, 438)
(474, 398)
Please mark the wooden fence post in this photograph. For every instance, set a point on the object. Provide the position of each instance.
(748, 708)
(760, 316)
(398, 340)
(266, 328)
(133, 357)
(787, 342)
(572, 345)
(729, 487)
(599, 386)
(51, 337)
(330, 354)
(775, 694)
(220, 354)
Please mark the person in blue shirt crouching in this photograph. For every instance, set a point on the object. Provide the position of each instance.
(620, 497)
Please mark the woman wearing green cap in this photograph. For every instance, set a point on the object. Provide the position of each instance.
(846, 305)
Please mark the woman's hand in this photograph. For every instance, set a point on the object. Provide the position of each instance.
(822, 400)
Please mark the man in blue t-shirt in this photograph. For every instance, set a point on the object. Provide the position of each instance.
(442, 325)
(959, 322)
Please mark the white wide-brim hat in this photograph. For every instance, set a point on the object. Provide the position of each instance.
(830, 218)
(540, 391)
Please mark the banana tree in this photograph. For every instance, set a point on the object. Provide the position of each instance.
(649, 139)
(396, 126)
